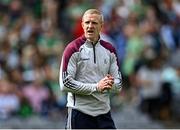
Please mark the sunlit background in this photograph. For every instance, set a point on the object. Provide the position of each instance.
(145, 33)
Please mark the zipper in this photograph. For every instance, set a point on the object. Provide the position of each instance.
(94, 52)
(74, 99)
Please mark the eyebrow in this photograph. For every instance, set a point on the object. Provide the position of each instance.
(94, 22)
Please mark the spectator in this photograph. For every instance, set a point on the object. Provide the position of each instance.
(9, 100)
(36, 93)
(149, 80)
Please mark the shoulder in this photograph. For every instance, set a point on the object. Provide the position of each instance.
(71, 49)
(74, 46)
(107, 46)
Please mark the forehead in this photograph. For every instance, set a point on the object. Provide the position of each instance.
(94, 17)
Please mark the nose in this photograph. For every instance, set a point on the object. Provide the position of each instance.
(90, 25)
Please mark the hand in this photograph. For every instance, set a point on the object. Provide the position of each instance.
(105, 83)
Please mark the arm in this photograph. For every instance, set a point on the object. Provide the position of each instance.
(116, 74)
(69, 84)
(67, 78)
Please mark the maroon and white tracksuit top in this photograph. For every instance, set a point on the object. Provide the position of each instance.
(83, 65)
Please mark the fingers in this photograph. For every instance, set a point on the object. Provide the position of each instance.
(106, 83)
(106, 87)
(109, 80)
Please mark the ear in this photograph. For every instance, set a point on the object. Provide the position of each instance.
(102, 24)
(82, 24)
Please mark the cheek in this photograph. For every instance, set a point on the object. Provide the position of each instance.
(84, 27)
(99, 29)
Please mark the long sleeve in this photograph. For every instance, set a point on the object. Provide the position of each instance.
(114, 71)
(67, 78)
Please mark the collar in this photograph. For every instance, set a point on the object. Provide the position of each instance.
(91, 44)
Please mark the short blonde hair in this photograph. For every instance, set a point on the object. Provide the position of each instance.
(94, 11)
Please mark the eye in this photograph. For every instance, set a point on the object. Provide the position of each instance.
(94, 23)
(87, 22)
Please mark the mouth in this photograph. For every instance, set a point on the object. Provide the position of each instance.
(90, 31)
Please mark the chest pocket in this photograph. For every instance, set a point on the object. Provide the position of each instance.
(104, 65)
(103, 61)
(84, 62)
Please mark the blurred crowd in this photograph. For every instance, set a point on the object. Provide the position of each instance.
(33, 34)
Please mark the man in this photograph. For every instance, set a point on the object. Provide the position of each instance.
(89, 72)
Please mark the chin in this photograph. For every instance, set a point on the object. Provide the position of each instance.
(89, 38)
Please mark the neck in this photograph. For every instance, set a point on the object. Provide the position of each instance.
(93, 41)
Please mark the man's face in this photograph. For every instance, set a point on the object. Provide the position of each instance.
(92, 25)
